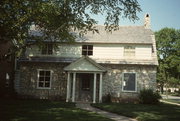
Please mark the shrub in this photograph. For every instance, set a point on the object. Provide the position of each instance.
(147, 96)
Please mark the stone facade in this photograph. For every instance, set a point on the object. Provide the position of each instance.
(28, 80)
(112, 81)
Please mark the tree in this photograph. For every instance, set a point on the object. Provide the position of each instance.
(56, 18)
(168, 45)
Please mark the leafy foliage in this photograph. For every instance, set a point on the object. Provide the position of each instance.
(147, 96)
(168, 45)
(56, 18)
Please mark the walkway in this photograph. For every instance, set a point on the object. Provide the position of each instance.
(175, 98)
(112, 116)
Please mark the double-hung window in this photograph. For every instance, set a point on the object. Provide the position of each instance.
(44, 79)
(47, 49)
(129, 82)
(87, 49)
(129, 51)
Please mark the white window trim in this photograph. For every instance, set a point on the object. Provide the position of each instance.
(38, 71)
(135, 82)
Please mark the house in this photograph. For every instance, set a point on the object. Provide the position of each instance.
(120, 63)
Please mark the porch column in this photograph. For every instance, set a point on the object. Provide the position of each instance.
(68, 88)
(74, 87)
(94, 90)
(100, 88)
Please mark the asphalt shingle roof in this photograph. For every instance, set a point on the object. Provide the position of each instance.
(125, 34)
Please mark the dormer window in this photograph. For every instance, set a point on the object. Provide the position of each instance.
(129, 51)
(87, 49)
(47, 49)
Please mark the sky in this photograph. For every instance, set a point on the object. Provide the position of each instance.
(163, 13)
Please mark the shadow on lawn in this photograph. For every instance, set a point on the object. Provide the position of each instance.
(43, 110)
(142, 112)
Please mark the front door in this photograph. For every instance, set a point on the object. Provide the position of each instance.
(86, 90)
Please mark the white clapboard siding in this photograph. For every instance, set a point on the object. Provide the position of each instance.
(108, 51)
(33, 51)
(143, 52)
(100, 51)
(69, 50)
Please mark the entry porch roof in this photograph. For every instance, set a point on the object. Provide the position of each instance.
(85, 64)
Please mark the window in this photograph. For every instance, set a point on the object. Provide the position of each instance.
(152, 49)
(129, 51)
(47, 49)
(87, 49)
(44, 79)
(129, 82)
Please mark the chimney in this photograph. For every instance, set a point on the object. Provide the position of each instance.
(147, 21)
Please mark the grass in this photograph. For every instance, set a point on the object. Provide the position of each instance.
(41, 110)
(142, 112)
(172, 100)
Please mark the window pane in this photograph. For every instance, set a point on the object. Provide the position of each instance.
(41, 78)
(90, 47)
(47, 84)
(84, 52)
(90, 53)
(47, 78)
(84, 47)
(129, 82)
(41, 73)
(47, 73)
(40, 84)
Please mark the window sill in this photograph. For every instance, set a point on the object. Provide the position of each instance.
(43, 88)
(129, 91)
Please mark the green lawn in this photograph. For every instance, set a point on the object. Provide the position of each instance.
(41, 110)
(161, 112)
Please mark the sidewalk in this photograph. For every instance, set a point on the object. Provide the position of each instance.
(175, 98)
(170, 102)
(115, 117)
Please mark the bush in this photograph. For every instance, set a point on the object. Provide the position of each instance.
(147, 96)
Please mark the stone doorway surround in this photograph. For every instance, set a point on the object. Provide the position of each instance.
(83, 65)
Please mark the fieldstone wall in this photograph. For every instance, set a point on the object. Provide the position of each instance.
(113, 78)
(28, 80)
